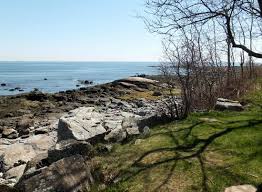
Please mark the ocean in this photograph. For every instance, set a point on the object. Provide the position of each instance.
(51, 77)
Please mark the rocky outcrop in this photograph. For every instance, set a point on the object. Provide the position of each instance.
(81, 124)
(15, 154)
(241, 188)
(69, 148)
(71, 174)
(138, 80)
(226, 104)
(113, 120)
(88, 124)
(54, 154)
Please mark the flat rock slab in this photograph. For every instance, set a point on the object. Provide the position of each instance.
(87, 123)
(241, 188)
(24, 150)
(138, 80)
(16, 172)
(81, 124)
(225, 104)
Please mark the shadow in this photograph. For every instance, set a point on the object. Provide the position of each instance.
(68, 174)
(192, 148)
(168, 177)
(259, 188)
(204, 175)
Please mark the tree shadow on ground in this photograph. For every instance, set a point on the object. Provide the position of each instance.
(192, 148)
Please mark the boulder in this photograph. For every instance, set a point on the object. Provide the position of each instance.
(114, 125)
(241, 188)
(116, 135)
(17, 152)
(7, 188)
(226, 104)
(39, 161)
(81, 124)
(23, 126)
(131, 131)
(86, 82)
(70, 174)
(69, 148)
(140, 82)
(7, 182)
(136, 80)
(15, 173)
(146, 131)
(25, 149)
(9, 133)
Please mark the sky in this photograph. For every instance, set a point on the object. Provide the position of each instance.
(75, 30)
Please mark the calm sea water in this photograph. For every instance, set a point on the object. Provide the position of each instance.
(62, 76)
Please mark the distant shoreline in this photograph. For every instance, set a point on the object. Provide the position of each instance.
(52, 77)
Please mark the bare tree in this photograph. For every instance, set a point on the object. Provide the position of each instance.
(168, 16)
(193, 64)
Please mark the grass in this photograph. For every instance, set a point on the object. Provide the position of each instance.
(149, 95)
(140, 94)
(13, 105)
(206, 152)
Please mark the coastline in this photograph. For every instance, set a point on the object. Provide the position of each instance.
(44, 107)
(36, 119)
(52, 77)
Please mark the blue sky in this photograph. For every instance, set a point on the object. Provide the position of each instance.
(75, 30)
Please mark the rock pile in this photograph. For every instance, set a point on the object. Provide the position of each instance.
(44, 156)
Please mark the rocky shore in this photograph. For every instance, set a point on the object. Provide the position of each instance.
(47, 140)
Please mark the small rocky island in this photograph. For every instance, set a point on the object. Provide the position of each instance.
(48, 140)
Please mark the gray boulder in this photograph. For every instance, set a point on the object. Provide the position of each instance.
(137, 80)
(23, 126)
(9, 133)
(145, 131)
(116, 135)
(113, 125)
(39, 161)
(71, 174)
(15, 173)
(81, 124)
(226, 104)
(69, 148)
(24, 150)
